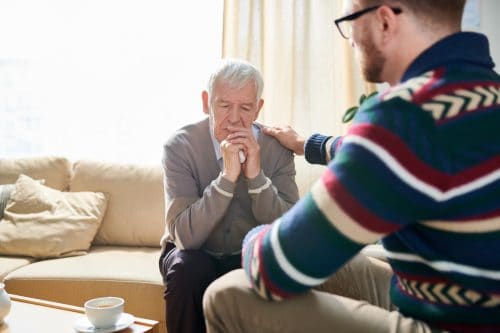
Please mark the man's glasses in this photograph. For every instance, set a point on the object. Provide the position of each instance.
(344, 24)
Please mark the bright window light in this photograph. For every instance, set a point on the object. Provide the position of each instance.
(103, 79)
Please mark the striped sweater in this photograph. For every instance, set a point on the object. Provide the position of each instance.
(420, 170)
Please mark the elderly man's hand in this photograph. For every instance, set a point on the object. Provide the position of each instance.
(244, 137)
(232, 167)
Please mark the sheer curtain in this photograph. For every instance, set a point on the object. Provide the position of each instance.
(310, 75)
(103, 79)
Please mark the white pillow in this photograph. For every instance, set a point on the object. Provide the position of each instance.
(42, 222)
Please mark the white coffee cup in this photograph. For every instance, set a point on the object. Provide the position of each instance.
(104, 312)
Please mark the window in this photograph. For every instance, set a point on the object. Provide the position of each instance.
(103, 79)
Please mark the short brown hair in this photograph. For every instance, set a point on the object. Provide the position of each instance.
(432, 11)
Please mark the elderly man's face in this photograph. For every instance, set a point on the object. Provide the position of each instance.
(233, 107)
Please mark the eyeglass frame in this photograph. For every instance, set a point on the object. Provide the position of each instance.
(358, 14)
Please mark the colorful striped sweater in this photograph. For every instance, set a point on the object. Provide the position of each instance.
(420, 170)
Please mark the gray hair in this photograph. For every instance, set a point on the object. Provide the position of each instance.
(237, 73)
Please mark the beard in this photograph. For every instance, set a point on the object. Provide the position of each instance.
(371, 58)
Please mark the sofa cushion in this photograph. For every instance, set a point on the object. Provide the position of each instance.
(55, 171)
(9, 264)
(42, 222)
(128, 272)
(135, 214)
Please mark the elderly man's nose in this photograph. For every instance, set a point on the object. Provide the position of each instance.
(234, 116)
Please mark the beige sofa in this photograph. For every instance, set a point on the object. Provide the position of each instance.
(123, 256)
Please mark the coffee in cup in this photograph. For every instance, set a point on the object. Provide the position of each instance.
(104, 312)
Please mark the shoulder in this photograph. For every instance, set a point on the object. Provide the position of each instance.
(445, 92)
(394, 119)
(267, 140)
(270, 147)
(405, 103)
(408, 89)
(189, 135)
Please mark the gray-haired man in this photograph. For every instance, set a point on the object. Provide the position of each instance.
(223, 176)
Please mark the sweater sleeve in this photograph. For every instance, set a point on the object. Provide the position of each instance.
(361, 197)
(191, 218)
(319, 150)
(273, 196)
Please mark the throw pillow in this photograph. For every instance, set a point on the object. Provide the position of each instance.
(42, 222)
(29, 197)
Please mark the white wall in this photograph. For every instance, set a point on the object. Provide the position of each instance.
(489, 25)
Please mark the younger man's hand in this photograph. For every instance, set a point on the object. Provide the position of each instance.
(288, 137)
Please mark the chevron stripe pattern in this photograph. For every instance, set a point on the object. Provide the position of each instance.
(407, 90)
(454, 103)
(449, 294)
(257, 280)
(419, 169)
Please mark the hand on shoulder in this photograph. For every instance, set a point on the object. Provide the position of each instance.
(287, 136)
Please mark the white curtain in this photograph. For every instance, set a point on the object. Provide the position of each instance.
(310, 76)
(103, 79)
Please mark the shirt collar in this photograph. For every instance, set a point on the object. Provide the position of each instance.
(218, 153)
(461, 48)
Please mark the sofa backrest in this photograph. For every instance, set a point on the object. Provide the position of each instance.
(135, 213)
(55, 171)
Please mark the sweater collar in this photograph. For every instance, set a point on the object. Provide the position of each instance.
(467, 48)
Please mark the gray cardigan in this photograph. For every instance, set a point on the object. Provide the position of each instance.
(206, 211)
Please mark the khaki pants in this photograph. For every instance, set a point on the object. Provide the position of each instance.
(356, 299)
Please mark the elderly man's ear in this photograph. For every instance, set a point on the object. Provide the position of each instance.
(204, 98)
(260, 104)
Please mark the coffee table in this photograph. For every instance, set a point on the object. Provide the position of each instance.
(40, 316)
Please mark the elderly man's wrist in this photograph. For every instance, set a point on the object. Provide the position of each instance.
(225, 184)
(252, 175)
(229, 177)
(257, 181)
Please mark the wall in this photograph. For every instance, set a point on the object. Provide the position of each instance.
(490, 9)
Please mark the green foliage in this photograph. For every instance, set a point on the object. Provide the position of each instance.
(351, 112)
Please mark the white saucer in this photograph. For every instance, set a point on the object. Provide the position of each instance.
(83, 325)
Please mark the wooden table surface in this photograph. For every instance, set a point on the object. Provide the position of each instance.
(31, 315)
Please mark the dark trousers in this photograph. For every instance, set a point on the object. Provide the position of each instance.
(186, 275)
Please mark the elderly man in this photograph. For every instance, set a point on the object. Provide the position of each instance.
(419, 169)
(222, 178)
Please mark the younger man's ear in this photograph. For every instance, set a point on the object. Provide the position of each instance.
(204, 99)
(387, 21)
